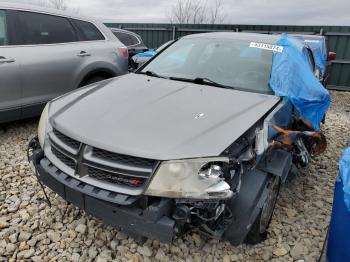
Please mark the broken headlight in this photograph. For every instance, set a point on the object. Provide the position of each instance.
(191, 178)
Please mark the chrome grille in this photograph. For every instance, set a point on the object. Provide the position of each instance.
(99, 167)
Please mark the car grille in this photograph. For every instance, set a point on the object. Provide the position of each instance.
(63, 158)
(67, 140)
(102, 166)
(124, 159)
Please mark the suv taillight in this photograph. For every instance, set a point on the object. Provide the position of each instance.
(124, 52)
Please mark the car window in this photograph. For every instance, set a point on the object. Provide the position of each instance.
(134, 40)
(44, 29)
(233, 63)
(178, 57)
(124, 38)
(87, 31)
(310, 58)
(3, 32)
(163, 46)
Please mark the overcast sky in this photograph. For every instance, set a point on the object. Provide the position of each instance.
(294, 12)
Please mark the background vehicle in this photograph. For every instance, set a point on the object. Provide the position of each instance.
(45, 53)
(141, 58)
(131, 40)
(197, 138)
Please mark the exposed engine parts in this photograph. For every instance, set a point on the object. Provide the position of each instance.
(211, 217)
(302, 144)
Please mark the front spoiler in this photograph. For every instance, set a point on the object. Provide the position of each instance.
(152, 222)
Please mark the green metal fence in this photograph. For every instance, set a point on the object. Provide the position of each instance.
(338, 40)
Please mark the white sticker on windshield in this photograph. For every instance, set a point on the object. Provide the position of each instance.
(276, 48)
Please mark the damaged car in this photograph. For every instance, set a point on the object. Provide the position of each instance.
(200, 138)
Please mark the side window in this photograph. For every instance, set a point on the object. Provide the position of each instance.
(134, 40)
(3, 31)
(311, 60)
(124, 38)
(44, 29)
(87, 31)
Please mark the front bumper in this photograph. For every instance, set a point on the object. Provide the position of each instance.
(117, 210)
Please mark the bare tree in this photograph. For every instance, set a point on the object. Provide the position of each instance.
(216, 14)
(196, 12)
(56, 4)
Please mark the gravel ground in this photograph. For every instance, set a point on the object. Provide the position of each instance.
(30, 230)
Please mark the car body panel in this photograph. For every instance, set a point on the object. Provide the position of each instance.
(161, 119)
(9, 80)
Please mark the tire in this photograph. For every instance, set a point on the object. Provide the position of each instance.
(258, 231)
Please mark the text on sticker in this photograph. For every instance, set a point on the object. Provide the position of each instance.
(275, 48)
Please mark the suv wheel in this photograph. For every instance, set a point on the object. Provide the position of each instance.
(258, 231)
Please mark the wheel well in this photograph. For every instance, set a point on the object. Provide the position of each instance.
(104, 74)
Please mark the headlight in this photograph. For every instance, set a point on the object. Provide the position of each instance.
(42, 125)
(193, 178)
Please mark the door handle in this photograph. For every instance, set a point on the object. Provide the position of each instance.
(84, 53)
(4, 60)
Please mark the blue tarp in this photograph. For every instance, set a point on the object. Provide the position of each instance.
(318, 47)
(149, 53)
(339, 228)
(344, 170)
(292, 77)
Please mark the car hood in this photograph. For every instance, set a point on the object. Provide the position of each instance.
(158, 118)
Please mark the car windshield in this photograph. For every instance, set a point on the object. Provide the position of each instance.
(163, 46)
(225, 62)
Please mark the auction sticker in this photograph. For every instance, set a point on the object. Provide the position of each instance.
(275, 48)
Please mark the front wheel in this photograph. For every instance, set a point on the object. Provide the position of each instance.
(258, 231)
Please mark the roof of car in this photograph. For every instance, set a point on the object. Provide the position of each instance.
(309, 36)
(41, 9)
(269, 39)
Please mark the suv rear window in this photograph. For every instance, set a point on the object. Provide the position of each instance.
(87, 31)
(127, 39)
(3, 33)
(44, 29)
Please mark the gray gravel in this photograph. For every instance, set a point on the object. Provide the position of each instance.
(29, 229)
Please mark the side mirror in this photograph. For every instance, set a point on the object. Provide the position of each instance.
(332, 56)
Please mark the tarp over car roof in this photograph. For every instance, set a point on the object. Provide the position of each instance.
(318, 47)
(292, 77)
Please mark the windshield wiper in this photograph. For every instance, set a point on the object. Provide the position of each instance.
(151, 73)
(202, 81)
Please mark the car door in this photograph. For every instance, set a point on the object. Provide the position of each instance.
(50, 56)
(10, 91)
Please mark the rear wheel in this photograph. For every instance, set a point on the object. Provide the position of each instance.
(258, 231)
